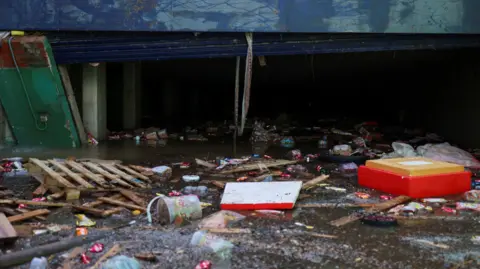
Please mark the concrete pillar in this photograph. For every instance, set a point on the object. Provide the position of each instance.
(132, 91)
(94, 100)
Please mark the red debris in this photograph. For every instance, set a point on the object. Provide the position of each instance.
(204, 265)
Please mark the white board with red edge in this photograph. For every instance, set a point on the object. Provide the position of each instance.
(260, 195)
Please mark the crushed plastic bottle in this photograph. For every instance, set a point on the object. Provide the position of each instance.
(121, 262)
(39, 263)
(196, 190)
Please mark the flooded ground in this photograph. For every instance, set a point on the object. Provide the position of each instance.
(275, 242)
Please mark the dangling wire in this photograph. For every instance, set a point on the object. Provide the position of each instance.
(247, 82)
(237, 92)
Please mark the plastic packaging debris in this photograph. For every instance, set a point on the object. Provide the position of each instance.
(174, 193)
(396, 210)
(190, 178)
(85, 259)
(336, 189)
(386, 197)
(185, 207)
(39, 263)
(304, 225)
(163, 171)
(220, 219)
(84, 221)
(96, 248)
(342, 150)
(196, 190)
(136, 212)
(39, 232)
(348, 168)
(268, 179)
(413, 207)
(240, 179)
(287, 142)
(468, 206)
(472, 196)
(121, 262)
(204, 265)
(475, 239)
(218, 245)
(259, 133)
(401, 150)
(447, 153)
(434, 200)
(362, 195)
(449, 210)
(81, 231)
(185, 165)
(295, 154)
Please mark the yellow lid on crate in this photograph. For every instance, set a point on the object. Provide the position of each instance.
(414, 166)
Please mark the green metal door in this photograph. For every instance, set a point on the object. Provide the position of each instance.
(32, 94)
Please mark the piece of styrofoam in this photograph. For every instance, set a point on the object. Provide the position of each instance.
(260, 195)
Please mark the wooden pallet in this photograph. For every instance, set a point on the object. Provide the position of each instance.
(73, 174)
(106, 206)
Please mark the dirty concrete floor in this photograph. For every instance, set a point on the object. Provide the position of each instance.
(274, 242)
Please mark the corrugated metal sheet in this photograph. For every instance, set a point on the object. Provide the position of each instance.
(117, 47)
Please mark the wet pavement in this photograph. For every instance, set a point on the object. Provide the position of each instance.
(275, 242)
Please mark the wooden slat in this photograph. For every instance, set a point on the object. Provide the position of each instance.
(106, 174)
(133, 197)
(134, 173)
(87, 173)
(119, 203)
(90, 210)
(63, 181)
(374, 209)
(28, 215)
(67, 85)
(98, 202)
(128, 178)
(112, 211)
(257, 166)
(24, 210)
(314, 181)
(71, 174)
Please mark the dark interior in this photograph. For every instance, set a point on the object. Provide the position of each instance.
(432, 89)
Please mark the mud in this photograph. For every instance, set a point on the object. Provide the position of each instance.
(274, 242)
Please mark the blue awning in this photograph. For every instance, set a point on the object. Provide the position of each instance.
(121, 47)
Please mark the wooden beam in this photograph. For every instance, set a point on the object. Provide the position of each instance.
(67, 85)
(314, 181)
(71, 174)
(119, 203)
(374, 209)
(114, 178)
(7, 232)
(133, 172)
(63, 181)
(257, 166)
(134, 198)
(100, 181)
(98, 202)
(125, 176)
(28, 215)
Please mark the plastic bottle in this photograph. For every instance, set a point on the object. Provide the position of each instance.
(197, 190)
(121, 262)
(39, 263)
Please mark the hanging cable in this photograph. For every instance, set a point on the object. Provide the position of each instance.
(36, 119)
(247, 82)
(237, 92)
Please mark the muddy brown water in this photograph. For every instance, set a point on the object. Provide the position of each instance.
(274, 242)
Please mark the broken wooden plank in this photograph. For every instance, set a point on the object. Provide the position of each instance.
(205, 164)
(7, 232)
(71, 174)
(146, 256)
(314, 181)
(100, 181)
(91, 210)
(374, 209)
(24, 210)
(129, 178)
(114, 178)
(56, 195)
(98, 202)
(77, 118)
(120, 203)
(112, 211)
(28, 215)
(134, 198)
(35, 203)
(135, 173)
(257, 166)
(218, 184)
(63, 181)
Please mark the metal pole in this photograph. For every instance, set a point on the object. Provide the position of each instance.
(235, 113)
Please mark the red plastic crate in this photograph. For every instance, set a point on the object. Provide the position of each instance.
(414, 186)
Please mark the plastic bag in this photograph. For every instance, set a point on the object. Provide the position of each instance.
(401, 150)
(121, 262)
(448, 153)
(220, 219)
